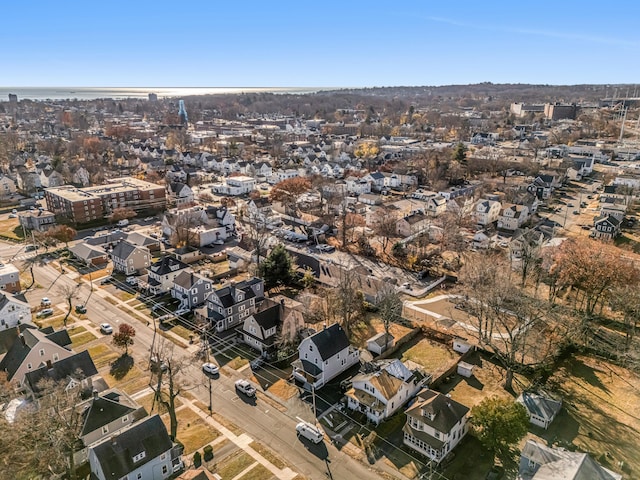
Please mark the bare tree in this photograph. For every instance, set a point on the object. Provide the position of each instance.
(168, 380)
(346, 299)
(385, 225)
(257, 235)
(390, 309)
(69, 292)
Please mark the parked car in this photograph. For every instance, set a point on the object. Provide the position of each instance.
(107, 280)
(106, 328)
(148, 219)
(243, 386)
(13, 215)
(158, 365)
(45, 313)
(210, 368)
(310, 432)
(14, 211)
(576, 212)
(30, 248)
(45, 301)
(131, 280)
(81, 309)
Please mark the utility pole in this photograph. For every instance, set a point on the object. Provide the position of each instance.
(206, 345)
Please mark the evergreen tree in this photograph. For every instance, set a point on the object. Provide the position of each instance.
(276, 269)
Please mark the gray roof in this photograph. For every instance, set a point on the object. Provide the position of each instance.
(540, 405)
(102, 411)
(562, 464)
(20, 349)
(77, 366)
(124, 249)
(268, 318)
(445, 412)
(187, 279)
(167, 265)
(137, 238)
(115, 454)
(86, 251)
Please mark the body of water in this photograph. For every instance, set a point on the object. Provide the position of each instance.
(84, 93)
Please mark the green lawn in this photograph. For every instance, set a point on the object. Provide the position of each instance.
(234, 464)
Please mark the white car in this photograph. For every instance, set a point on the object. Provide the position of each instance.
(310, 432)
(45, 301)
(45, 313)
(13, 215)
(245, 387)
(106, 328)
(210, 368)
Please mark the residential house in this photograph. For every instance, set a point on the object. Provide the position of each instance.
(323, 356)
(381, 393)
(9, 278)
(163, 273)
(191, 289)
(28, 182)
(142, 240)
(376, 179)
(613, 205)
(228, 306)
(487, 212)
(542, 186)
(88, 254)
(38, 220)
(51, 178)
(142, 452)
(14, 309)
(541, 407)
(129, 258)
(541, 462)
(81, 177)
(512, 217)
(262, 169)
(357, 186)
(436, 206)
(235, 186)
(260, 211)
(32, 349)
(526, 243)
(7, 186)
(75, 370)
(412, 224)
(481, 240)
(391, 180)
(180, 194)
(606, 227)
(104, 415)
(272, 320)
(435, 425)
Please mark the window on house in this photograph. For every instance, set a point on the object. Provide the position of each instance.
(228, 311)
(55, 357)
(139, 456)
(241, 307)
(125, 419)
(139, 476)
(29, 366)
(42, 352)
(164, 469)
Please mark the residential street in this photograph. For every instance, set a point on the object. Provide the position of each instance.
(262, 421)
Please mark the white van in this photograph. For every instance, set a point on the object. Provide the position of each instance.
(310, 432)
(123, 223)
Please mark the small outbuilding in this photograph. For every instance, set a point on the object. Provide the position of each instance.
(465, 369)
(542, 407)
(460, 345)
(380, 342)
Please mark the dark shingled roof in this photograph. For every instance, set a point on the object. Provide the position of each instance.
(268, 318)
(101, 412)
(446, 412)
(115, 455)
(67, 367)
(330, 341)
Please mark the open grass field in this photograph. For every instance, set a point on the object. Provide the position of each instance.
(10, 228)
(600, 415)
(102, 355)
(431, 355)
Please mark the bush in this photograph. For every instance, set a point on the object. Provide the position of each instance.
(208, 452)
(197, 459)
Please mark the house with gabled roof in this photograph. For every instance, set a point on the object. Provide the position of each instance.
(191, 288)
(103, 415)
(35, 352)
(435, 425)
(513, 217)
(487, 211)
(228, 306)
(75, 370)
(14, 310)
(272, 320)
(129, 258)
(323, 356)
(142, 240)
(180, 194)
(541, 407)
(542, 462)
(143, 451)
(162, 274)
(382, 392)
(89, 254)
(607, 227)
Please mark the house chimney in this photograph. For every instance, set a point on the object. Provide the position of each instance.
(95, 393)
(24, 343)
(49, 365)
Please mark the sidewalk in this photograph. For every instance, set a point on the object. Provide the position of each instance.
(242, 441)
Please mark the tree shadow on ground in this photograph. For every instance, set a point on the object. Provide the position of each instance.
(121, 366)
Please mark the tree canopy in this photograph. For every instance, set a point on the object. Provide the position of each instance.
(500, 423)
(124, 337)
(276, 269)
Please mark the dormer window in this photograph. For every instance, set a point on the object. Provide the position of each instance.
(139, 456)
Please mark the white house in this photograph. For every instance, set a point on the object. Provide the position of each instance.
(235, 185)
(435, 425)
(436, 206)
(162, 274)
(380, 394)
(143, 451)
(487, 212)
(513, 216)
(14, 310)
(542, 409)
(380, 342)
(323, 356)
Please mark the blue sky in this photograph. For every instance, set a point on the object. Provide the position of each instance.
(268, 43)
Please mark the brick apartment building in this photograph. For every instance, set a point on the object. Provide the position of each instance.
(83, 205)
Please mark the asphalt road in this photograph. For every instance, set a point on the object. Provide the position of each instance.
(258, 419)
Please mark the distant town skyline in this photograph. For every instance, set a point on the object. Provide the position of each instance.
(330, 44)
